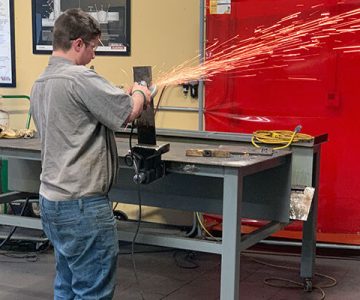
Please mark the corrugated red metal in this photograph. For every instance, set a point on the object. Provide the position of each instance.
(271, 100)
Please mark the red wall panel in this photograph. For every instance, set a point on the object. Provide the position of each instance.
(273, 99)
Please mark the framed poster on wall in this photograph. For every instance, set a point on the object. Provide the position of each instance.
(7, 44)
(113, 16)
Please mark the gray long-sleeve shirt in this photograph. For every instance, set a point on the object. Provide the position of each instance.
(76, 113)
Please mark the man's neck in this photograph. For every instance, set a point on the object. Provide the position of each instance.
(67, 55)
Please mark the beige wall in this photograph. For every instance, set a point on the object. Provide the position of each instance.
(164, 33)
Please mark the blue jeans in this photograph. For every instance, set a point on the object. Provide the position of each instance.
(84, 235)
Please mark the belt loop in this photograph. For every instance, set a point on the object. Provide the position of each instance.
(57, 206)
(81, 205)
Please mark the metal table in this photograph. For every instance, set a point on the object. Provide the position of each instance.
(250, 186)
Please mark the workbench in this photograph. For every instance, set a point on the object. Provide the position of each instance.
(242, 186)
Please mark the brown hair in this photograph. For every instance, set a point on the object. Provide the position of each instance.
(73, 24)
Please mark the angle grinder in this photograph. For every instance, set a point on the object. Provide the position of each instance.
(153, 89)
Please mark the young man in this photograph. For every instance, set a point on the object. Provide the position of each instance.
(76, 113)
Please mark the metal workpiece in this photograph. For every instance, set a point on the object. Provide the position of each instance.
(146, 122)
(239, 186)
(146, 156)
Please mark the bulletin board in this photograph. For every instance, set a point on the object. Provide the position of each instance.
(7, 44)
(112, 15)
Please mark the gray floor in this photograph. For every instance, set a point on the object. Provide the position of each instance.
(174, 275)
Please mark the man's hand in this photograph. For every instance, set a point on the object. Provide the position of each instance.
(142, 90)
(141, 96)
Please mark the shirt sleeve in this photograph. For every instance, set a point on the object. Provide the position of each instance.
(110, 105)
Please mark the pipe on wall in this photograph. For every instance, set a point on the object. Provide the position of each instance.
(202, 56)
(176, 108)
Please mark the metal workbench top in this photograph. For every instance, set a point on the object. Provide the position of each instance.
(30, 149)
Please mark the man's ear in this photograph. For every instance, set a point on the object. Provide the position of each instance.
(77, 44)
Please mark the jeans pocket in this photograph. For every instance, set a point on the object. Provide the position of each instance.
(107, 227)
(105, 216)
(71, 239)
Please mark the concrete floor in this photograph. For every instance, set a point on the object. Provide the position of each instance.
(173, 275)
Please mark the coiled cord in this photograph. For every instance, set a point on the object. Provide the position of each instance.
(279, 137)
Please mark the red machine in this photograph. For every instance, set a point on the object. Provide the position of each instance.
(285, 97)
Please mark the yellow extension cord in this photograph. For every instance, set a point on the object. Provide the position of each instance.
(279, 137)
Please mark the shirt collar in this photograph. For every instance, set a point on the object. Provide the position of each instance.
(53, 60)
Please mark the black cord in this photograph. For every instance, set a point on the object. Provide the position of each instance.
(188, 258)
(134, 239)
(12, 231)
(116, 205)
(147, 252)
(135, 159)
(130, 137)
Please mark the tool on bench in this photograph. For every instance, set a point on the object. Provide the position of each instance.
(147, 154)
(207, 153)
(226, 151)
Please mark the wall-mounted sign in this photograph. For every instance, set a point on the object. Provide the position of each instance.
(113, 16)
(7, 44)
(220, 7)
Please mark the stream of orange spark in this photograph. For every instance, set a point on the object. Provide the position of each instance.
(282, 41)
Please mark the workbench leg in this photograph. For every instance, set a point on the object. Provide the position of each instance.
(230, 258)
(308, 251)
